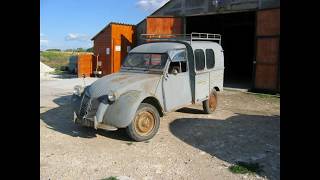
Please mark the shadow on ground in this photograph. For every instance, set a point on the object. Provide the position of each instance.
(246, 138)
(190, 110)
(60, 119)
(65, 76)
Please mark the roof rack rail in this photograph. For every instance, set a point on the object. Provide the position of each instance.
(187, 37)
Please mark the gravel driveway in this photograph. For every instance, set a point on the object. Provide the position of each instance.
(189, 144)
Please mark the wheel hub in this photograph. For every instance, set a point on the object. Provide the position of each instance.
(213, 101)
(144, 122)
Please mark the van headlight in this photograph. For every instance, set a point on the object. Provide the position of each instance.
(106, 99)
(78, 90)
(111, 98)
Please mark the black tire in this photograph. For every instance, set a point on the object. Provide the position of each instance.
(145, 124)
(213, 99)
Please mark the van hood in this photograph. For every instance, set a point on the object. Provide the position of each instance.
(121, 82)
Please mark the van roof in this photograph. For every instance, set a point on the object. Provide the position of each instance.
(163, 47)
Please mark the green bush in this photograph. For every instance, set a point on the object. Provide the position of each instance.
(53, 50)
(90, 49)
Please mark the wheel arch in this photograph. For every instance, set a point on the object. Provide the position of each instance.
(154, 102)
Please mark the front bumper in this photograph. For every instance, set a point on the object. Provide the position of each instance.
(85, 113)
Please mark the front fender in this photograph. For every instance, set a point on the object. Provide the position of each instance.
(121, 113)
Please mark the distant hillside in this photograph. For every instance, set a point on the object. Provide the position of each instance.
(55, 59)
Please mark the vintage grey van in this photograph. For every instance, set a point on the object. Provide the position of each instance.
(155, 78)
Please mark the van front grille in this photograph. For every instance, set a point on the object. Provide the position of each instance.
(85, 105)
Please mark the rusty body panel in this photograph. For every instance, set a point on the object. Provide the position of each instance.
(267, 50)
(111, 45)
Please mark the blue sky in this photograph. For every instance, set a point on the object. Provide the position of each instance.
(72, 23)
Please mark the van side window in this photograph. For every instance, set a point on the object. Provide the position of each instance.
(179, 66)
(183, 66)
(174, 66)
(179, 62)
(210, 59)
(199, 58)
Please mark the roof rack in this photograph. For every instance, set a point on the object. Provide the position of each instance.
(187, 37)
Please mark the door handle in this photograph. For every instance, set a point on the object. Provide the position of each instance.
(166, 76)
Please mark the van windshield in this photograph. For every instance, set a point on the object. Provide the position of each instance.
(145, 60)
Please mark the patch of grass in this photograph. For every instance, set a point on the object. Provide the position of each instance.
(110, 178)
(244, 167)
(267, 97)
(129, 143)
(55, 59)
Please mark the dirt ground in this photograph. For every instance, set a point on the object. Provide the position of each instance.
(189, 144)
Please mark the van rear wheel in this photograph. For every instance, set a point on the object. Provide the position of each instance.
(210, 105)
(145, 123)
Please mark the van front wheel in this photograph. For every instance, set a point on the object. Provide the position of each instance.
(145, 123)
(210, 105)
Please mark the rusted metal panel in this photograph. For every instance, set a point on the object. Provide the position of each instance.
(106, 45)
(85, 65)
(267, 50)
(123, 40)
(164, 25)
(266, 76)
(268, 22)
(101, 43)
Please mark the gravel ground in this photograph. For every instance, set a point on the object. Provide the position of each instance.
(189, 144)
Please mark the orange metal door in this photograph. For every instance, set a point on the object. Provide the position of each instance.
(267, 50)
(85, 65)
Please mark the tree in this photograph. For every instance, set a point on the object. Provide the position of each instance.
(90, 49)
(53, 50)
(80, 50)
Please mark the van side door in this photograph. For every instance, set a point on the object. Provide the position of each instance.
(201, 76)
(176, 82)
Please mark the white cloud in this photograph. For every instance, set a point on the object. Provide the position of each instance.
(76, 37)
(44, 42)
(150, 5)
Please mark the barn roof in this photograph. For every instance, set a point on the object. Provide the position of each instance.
(116, 23)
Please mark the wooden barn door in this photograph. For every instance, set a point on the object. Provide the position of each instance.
(267, 50)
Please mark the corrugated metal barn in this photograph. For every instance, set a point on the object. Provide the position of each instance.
(111, 45)
(250, 32)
